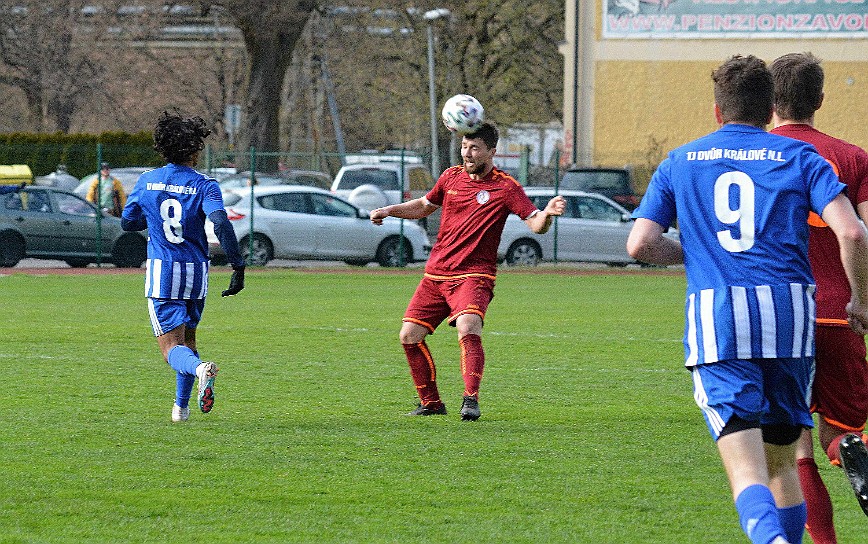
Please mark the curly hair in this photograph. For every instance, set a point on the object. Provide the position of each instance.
(179, 138)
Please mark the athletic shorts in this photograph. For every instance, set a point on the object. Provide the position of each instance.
(840, 393)
(167, 314)
(436, 300)
(763, 391)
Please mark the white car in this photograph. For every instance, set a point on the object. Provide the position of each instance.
(376, 184)
(593, 228)
(300, 222)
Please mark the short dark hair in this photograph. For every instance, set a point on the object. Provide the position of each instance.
(798, 85)
(744, 90)
(487, 132)
(178, 138)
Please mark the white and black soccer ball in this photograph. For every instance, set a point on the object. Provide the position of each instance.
(462, 114)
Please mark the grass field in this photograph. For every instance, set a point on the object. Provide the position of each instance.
(589, 433)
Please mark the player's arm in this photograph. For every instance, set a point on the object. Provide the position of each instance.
(853, 240)
(646, 243)
(229, 242)
(412, 209)
(539, 222)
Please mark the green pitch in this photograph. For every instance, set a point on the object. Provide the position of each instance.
(589, 433)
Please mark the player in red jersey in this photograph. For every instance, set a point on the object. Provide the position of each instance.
(458, 285)
(840, 391)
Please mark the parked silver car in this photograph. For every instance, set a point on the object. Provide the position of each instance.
(593, 228)
(48, 223)
(311, 178)
(299, 222)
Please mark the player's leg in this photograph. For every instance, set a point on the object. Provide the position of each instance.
(425, 312)
(786, 386)
(206, 371)
(422, 370)
(469, 301)
(784, 479)
(841, 400)
(729, 393)
(820, 523)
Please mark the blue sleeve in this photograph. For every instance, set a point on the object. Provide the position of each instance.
(658, 204)
(140, 224)
(213, 198)
(132, 218)
(226, 235)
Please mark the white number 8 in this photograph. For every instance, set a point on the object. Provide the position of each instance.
(743, 215)
(170, 211)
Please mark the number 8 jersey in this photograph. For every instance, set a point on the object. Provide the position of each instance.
(175, 200)
(742, 198)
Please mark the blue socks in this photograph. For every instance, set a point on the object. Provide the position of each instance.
(793, 519)
(184, 361)
(759, 515)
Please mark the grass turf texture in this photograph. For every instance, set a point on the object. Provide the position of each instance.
(589, 432)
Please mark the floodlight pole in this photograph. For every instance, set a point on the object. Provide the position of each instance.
(432, 16)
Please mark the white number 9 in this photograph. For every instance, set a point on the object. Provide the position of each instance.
(170, 211)
(743, 215)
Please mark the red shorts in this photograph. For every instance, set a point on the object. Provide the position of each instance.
(840, 393)
(436, 300)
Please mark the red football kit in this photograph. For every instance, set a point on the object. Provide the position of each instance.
(460, 272)
(840, 393)
(474, 212)
(471, 224)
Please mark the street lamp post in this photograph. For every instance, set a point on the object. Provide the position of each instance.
(432, 16)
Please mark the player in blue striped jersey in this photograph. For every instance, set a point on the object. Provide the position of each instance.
(172, 203)
(742, 198)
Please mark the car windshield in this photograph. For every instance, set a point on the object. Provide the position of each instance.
(596, 182)
(386, 180)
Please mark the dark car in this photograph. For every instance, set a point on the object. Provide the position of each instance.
(47, 223)
(614, 183)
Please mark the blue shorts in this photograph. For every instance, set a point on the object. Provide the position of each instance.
(167, 314)
(761, 391)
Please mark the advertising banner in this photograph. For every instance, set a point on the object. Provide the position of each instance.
(691, 19)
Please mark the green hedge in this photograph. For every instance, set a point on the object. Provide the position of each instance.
(79, 152)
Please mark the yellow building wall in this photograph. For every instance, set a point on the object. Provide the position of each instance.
(649, 96)
(644, 109)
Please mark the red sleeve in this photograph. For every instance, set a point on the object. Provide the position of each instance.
(435, 195)
(861, 159)
(519, 203)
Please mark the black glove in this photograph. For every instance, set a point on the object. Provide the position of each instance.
(236, 283)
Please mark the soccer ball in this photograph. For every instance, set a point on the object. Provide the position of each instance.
(462, 114)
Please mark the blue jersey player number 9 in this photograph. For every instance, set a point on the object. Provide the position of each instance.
(170, 211)
(743, 214)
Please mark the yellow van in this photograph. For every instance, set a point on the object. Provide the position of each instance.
(15, 174)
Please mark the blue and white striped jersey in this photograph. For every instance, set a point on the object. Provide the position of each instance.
(742, 198)
(175, 200)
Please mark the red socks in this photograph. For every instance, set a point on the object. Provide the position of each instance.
(819, 504)
(472, 363)
(424, 373)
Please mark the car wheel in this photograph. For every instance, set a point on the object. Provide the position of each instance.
(77, 263)
(263, 250)
(130, 251)
(389, 253)
(11, 249)
(524, 253)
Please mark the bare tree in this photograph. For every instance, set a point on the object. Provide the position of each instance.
(39, 59)
(270, 30)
